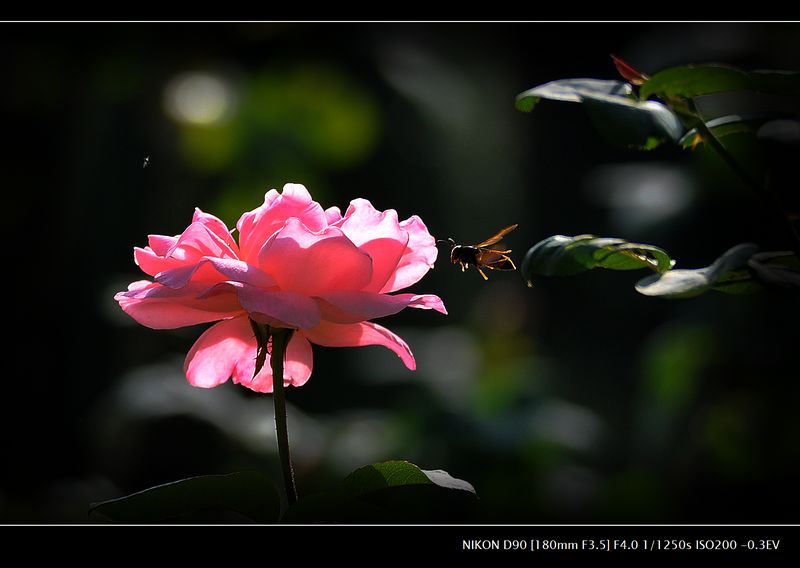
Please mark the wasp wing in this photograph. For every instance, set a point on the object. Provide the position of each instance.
(496, 237)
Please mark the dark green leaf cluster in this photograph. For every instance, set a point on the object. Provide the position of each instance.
(740, 270)
(667, 108)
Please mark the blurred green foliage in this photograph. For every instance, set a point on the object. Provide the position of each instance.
(576, 400)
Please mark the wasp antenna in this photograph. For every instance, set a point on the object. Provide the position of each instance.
(446, 241)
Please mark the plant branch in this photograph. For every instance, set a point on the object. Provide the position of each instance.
(752, 184)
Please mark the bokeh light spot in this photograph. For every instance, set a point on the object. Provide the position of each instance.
(198, 98)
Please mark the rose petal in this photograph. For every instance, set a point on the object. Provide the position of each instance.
(333, 215)
(279, 308)
(240, 271)
(417, 259)
(214, 270)
(377, 233)
(214, 356)
(362, 223)
(428, 302)
(220, 288)
(257, 226)
(386, 254)
(309, 263)
(198, 241)
(352, 307)
(160, 244)
(358, 335)
(189, 248)
(152, 263)
(216, 226)
(299, 361)
(296, 368)
(159, 307)
(198, 272)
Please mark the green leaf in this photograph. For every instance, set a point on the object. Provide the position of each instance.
(207, 498)
(728, 274)
(395, 473)
(638, 124)
(727, 125)
(776, 268)
(573, 91)
(695, 80)
(612, 108)
(739, 271)
(561, 255)
(393, 491)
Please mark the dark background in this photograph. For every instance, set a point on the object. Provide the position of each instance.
(576, 400)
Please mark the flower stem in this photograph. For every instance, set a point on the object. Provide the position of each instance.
(280, 340)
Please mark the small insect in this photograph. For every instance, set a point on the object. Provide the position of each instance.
(481, 255)
(146, 162)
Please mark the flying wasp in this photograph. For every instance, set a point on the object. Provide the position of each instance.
(481, 255)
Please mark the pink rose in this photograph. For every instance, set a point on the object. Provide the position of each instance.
(296, 266)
